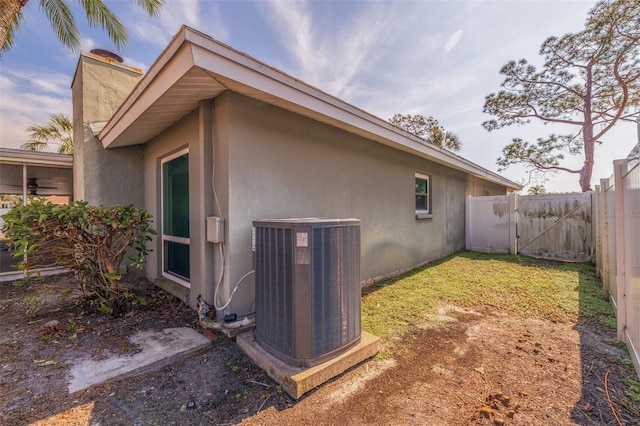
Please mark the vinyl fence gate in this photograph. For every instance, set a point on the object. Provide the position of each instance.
(550, 226)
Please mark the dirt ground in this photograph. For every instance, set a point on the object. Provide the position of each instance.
(465, 367)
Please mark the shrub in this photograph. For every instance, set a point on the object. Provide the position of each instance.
(91, 241)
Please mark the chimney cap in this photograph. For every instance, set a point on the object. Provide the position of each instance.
(107, 54)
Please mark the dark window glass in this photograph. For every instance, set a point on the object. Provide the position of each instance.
(422, 194)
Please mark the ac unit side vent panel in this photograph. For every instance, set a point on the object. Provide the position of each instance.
(336, 307)
(307, 288)
(275, 294)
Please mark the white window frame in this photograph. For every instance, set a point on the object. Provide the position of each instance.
(181, 240)
(421, 213)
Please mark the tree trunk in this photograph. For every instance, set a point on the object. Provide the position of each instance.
(8, 11)
(587, 169)
(587, 134)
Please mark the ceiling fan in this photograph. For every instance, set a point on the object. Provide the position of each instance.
(32, 186)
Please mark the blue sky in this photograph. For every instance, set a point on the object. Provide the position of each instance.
(438, 58)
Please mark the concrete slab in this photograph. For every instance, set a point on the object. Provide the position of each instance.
(157, 350)
(298, 380)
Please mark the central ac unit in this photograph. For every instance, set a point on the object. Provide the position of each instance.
(307, 288)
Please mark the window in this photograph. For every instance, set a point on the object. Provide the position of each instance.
(175, 217)
(423, 200)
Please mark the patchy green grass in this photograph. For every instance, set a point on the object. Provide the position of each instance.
(519, 285)
(634, 389)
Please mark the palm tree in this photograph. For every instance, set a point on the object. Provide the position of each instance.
(537, 189)
(427, 129)
(438, 136)
(63, 22)
(57, 131)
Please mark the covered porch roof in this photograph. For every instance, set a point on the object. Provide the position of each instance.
(35, 173)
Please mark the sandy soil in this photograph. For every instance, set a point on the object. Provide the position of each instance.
(465, 367)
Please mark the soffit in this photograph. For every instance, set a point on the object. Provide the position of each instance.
(177, 101)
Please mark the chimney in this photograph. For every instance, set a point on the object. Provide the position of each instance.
(100, 85)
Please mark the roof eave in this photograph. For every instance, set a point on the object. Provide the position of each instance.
(235, 71)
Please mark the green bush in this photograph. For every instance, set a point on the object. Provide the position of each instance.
(91, 241)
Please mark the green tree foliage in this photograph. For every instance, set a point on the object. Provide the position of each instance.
(59, 13)
(537, 189)
(589, 81)
(91, 241)
(428, 129)
(58, 131)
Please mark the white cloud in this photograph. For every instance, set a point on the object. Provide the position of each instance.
(5, 84)
(293, 22)
(329, 56)
(132, 62)
(177, 13)
(453, 40)
(28, 98)
(174, 14)
(87, 44)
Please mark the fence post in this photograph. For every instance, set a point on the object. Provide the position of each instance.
(596, 229)
(619, 170)
(604, 237)
(513, 223)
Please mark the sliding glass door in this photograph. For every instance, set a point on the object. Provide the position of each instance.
(175, 217)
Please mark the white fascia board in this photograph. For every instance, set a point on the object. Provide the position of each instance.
(35, 158)
(250, 76)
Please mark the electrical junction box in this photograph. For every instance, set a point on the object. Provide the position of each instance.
(215, 229)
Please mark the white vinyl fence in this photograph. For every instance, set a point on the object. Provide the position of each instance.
(618, 249)
(551, 226)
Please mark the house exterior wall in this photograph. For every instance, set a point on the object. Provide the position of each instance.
(270, 163)
(477, 187)
(193, 132)
(174, 139)
(103, 176)
(282, 165)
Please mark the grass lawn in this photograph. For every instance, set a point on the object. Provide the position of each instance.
(520, 285)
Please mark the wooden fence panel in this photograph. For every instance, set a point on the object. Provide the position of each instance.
(556, 226)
